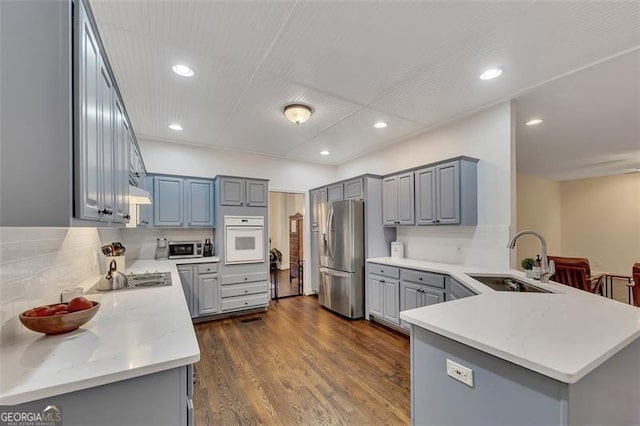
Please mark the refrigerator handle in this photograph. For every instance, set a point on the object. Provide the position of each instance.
(334, 273)
(330, 232)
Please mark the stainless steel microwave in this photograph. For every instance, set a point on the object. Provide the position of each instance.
(185, 249)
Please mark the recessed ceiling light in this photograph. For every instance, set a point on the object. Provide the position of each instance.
(534, 122)
(380, 125)
(324, 152)
(183, 70)
(175, 126)
(491, 73)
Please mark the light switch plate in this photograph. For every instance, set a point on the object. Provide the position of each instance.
(460, 372)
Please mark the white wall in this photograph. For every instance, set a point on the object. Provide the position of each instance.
(487, 136)
(284, 175)
(37, 264)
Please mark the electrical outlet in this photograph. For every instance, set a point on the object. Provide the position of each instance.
(460, 372)
(596, 263)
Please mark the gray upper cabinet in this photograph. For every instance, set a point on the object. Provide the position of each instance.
(426, 196)
(257, 193)
(121, 165)
(183, 202)
(231, 191)
(88, 148)
(243, 192)
(353, 189)
(101, 138)
(168, 202)
(199, 202)
(335, 192)
(398, 200)
(316, 197)
(446, 194)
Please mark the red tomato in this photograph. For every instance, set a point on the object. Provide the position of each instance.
(41, 311)
(59, 307)
(79, 304)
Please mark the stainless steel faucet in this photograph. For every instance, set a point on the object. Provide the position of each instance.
(548, 268)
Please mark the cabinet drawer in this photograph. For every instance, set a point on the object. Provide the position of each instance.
(244, 302)
(244, 278)
(207, 268)
(420, 277)
(387, 271)
(244, 289)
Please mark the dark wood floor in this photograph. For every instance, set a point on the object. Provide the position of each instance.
(301, 364)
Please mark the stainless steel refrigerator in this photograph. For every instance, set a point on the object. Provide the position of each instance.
(342, 257)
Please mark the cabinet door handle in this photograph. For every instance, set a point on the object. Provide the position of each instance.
(419, 278)
(382, 281)
(106, 211)
(127, 217)
(144, 222)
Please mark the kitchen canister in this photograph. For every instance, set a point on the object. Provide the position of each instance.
(397, 250)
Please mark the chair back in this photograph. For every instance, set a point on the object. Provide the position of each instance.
(636, 284)
(572, 271)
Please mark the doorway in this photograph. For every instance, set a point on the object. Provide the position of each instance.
(286, 244)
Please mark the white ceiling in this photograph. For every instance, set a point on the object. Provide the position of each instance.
(591, 123)
(412, 64)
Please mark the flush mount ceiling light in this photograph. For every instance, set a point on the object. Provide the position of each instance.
(183, 70)
(324, 152)
(533, 122)
(380, 125)
(175, 126)
(297, 113)
(491, 73)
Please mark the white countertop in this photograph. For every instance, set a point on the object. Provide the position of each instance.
(135, 332)
(564, 335)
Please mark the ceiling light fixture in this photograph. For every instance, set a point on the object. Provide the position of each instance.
(175, 126)
(491, 73)
(324, 152)
(380, 125)
(297, 113)
(183, 70)
(533, 122)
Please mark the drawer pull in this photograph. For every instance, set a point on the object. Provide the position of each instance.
(246, 303)
(246, 278)
(246, 291)
(420, 278)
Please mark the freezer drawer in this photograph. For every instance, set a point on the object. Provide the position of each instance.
(342, 292)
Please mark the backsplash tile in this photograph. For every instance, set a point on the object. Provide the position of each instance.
(36, 264)
(141, 242)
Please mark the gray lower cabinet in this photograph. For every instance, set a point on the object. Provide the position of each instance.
(457, 290)
(383, 293)
(162, 398)
(243, 290)
(398, 199)
(414, 296)
(446, 194)
(183, 202)
(201, 288)
(238, 191)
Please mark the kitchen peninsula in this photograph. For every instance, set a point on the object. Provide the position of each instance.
(131, 364)
(566, 357)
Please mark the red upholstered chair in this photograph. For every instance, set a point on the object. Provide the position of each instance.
(576, 272)
(636, 284)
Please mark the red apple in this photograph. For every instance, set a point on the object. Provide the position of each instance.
(79, 304)
(40, 311)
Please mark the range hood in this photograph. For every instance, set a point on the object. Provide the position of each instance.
(139, 195)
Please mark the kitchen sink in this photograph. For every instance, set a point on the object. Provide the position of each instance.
(149, 279)
(506, 283)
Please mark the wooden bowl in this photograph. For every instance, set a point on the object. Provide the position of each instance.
(58, 324)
